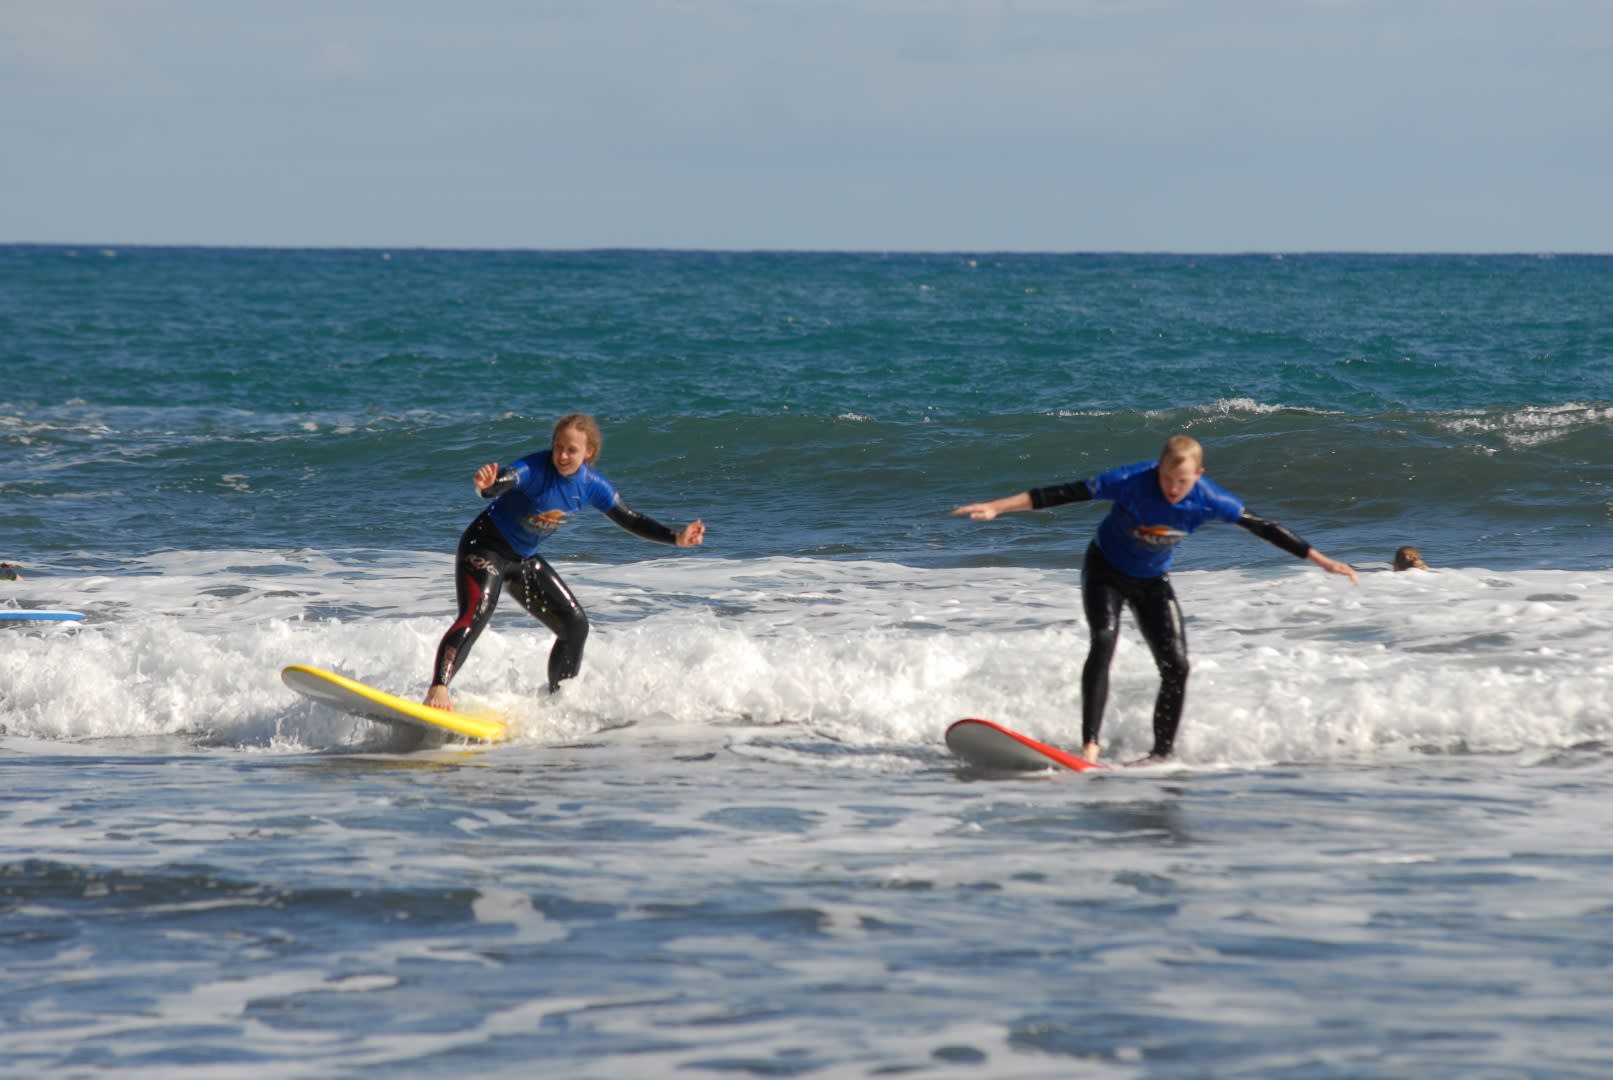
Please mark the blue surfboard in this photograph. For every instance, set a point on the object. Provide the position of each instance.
(28, 615)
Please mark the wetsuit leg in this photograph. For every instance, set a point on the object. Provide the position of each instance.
(1159, 617)
(1102, 600)
(479, 568)
(541, 591)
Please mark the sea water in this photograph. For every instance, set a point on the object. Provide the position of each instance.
(736, 844)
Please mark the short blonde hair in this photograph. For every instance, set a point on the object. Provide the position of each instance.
(1182, 448)
(585, 424)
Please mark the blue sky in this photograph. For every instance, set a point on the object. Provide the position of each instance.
(868, 125)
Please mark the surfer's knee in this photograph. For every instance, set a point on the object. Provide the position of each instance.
(1102, 639)
(572, 626)
(1175, 669)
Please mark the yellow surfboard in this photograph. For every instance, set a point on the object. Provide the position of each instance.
(356, 699)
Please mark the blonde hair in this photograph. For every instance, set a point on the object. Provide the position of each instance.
(1182, 448)
(585, 424)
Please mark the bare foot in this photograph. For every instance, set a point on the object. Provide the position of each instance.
(437, 698)
(1090, 752)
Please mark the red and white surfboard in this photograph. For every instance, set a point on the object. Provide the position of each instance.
(992, 746)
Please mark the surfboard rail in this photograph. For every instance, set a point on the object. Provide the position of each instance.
(356, 699)
(990, 745)
(39, 615)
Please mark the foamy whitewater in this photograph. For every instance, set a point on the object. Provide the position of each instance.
(1290, 665)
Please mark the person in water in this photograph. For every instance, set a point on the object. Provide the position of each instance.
(531, 499)
(1409, 558)
(10, 572)
(1154, 506)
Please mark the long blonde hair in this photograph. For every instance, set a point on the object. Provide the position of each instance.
(590, 432)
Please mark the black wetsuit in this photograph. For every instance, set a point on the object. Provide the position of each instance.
(1152, 600)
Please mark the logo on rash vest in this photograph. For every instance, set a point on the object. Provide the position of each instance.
(547, 522)
(1158, 536)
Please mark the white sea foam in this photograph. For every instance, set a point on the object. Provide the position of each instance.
(1533, 425)
(1249, 407)
(1289, 664)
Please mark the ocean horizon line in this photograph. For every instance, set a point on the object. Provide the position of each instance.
(109, 248)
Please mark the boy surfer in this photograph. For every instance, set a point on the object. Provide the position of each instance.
(1154, 506)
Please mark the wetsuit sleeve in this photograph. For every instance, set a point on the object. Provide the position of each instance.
(1269, 530)
(640, 525)
(506, 479)
(1059, 494)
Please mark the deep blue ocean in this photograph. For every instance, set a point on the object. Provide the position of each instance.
(736, 845)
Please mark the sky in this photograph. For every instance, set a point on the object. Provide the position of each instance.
(1198, 126)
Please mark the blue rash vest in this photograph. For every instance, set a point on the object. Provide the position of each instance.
(542, 500)
(1140, 533)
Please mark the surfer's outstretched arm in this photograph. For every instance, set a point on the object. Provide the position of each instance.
(1292, 543)
(985, 511)
(1034, 499)
(647, 528)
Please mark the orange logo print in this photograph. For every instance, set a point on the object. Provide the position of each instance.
(548, 521)
(1157, 535)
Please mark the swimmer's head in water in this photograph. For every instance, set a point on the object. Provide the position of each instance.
(1409, 558)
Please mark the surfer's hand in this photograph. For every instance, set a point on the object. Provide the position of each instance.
(985, 511)
(693, 534)
(485, 476)
(1333, 566)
